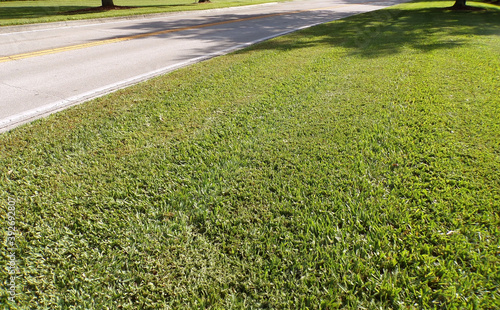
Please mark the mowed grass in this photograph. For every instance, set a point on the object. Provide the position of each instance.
(351, 165)
(42, 11)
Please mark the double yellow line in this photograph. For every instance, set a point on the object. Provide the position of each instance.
(155, 33)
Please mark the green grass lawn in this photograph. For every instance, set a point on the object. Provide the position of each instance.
(41, 11)
(351, 165)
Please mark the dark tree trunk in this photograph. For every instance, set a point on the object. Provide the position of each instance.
(203, 1)
(459, 4)
(106, 3)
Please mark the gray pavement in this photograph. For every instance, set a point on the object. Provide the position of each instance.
(44, 69)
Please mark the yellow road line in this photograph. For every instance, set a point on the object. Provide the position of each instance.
(149, 34)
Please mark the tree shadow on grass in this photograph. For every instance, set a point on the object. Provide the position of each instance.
(29, 12)
(386, 32)
(21, 12)
(100, 9)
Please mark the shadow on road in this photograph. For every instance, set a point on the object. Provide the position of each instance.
(231, 28)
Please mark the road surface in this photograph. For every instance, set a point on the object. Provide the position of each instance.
(47, 68)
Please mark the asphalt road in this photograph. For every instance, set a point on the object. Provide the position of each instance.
(47, 68)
